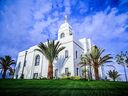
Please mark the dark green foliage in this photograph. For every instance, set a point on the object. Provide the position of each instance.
(113, 74)
(62, 88)
(95, 58)
(50, 51)
(122, 59)
(5, 65)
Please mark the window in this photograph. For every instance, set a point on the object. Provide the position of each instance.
(70, 33)
(66, 71)
(56, 72)
(66, 54)
(76, 54)
(77, 71)
(62, 35)
(25, 63)
(35, 75)
(37, 60)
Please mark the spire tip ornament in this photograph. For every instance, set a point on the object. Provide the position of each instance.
(65, 18)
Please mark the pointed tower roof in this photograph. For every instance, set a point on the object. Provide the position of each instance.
(65, 29)
(65, 18)
(65, 22)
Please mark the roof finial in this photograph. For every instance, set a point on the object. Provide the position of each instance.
(65, 18)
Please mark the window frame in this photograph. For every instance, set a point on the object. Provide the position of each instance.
(62, 35)
(66, 54)
(77, 71)
(37, 60)
(76, 54)
(66, 70)
(35, 75)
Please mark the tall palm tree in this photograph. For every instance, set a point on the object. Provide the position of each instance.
(6, 63)
(50, 51)
(122, 59)
(84, 61)
(11, 73)
(96, 59)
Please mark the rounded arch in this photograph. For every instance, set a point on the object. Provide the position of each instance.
(37, 60)
(62, 35)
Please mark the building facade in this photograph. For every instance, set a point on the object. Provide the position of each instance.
(33, 64)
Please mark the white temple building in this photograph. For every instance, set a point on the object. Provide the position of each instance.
(33, 64)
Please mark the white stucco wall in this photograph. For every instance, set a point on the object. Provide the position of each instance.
(69, 42)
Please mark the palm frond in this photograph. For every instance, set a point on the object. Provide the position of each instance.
(50, 50)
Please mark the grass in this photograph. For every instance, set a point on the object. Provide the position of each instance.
(62, 88)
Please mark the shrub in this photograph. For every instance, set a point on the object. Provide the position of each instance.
(75, 77)
(113, 74)
(71, 77)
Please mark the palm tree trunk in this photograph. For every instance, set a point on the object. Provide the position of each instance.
(114, 79)
(85, 73)
(4, 74)
(90, 73)
(50, 71)
(125, 73)
(96, 71)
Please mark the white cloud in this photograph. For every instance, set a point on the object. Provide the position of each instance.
(45, 8)
(102, 28)
(67, 4)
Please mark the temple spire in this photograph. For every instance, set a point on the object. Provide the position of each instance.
(65, 18)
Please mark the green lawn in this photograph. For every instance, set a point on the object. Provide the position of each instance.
(62, 88)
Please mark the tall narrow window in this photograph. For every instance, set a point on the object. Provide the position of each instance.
(77, 71)
(62, 35)
(37, 60)
(66, 71)
(76, 54)
(56, 72)
(35, 75)
(25, 63)
(66, 54)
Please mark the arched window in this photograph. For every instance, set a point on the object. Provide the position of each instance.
(62, 35)
(66, 53)
(76, 54)
(37, 60)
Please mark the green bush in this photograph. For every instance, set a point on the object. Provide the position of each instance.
(71, 77)
(64, 77)
(75, 77)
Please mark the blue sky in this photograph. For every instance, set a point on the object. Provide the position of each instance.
(24, 23)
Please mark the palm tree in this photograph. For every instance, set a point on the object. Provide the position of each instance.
(11, 73)
(96, 59)
(6, 63)
(84, 70)
(122, 59)
(85, 60)
(50, 51)
(113, 74)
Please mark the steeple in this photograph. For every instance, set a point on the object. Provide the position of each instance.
(65, 29)
(65, 18)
